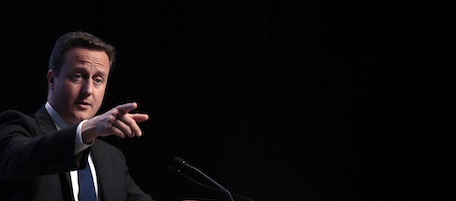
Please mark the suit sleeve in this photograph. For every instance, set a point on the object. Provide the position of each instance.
(27, 151)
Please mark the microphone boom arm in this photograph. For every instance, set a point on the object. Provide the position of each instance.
(181, 162)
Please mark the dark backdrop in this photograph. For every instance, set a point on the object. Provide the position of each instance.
(275, 100)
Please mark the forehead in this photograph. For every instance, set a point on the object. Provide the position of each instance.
(87, 57)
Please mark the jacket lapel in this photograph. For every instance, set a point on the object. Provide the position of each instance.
(44, 120)
(104, 173)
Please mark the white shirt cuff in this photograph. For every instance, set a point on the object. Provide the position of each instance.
(79, 145)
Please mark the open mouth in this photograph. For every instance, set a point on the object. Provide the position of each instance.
(82, 104)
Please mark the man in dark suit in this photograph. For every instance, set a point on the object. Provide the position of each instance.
(42, 156)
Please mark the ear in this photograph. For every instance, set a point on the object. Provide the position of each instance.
(50, 79)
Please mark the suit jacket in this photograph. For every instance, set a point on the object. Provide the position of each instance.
(36, 159)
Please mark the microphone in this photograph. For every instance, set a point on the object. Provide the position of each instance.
(181, 163)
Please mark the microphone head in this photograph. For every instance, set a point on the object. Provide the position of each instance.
(179, 162)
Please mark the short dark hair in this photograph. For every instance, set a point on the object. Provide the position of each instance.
(79, 39)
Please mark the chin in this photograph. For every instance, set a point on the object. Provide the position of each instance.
(81, 117)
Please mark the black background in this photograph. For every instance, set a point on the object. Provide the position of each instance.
(275, 100)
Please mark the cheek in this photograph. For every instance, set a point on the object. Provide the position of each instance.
(100, 93)
(69, 91)
(66, 93)
(98, 96)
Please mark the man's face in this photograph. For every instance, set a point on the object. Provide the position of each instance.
(78, 91)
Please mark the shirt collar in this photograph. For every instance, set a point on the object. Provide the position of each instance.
(58, 121)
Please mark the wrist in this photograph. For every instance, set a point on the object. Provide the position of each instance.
(84, 134)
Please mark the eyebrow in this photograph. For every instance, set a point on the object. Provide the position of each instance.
(80, 68)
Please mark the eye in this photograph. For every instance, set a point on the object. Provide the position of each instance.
(77, 76)
(98, 80)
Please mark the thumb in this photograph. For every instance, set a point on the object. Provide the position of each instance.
(127, 107)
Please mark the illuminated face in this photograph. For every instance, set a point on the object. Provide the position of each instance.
(78, 91)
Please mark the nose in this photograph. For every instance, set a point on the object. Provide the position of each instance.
(87, 87)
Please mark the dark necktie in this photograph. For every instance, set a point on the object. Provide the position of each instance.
(86, 186)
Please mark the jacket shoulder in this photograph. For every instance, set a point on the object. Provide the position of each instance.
(12, 115)
(13, 119)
